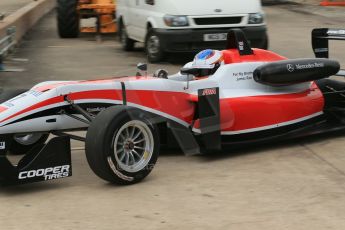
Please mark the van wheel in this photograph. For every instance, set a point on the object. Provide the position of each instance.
(262, 43)
(126, 42)
(122, 145)
(153, 47)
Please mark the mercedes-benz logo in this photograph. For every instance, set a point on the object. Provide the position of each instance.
(218, 10)
(290, 67)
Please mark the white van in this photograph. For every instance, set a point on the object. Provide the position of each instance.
(187, 25)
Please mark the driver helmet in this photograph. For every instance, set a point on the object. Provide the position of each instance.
(208, 61)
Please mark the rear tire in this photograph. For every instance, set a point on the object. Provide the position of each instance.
(122, 145)
(67, 18)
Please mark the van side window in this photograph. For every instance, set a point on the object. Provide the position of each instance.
(150, 2)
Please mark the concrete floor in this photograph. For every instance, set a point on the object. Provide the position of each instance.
(297, 185)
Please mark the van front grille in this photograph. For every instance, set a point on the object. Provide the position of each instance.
(218, 20)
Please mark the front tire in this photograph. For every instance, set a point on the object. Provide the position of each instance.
(122, 145)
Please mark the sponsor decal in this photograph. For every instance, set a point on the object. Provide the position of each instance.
(9, 105)
(95, 109)
(336, 32)
(242, 76)
(12, 102)
(48, 173)
(2, 145)
(117, 172)
(310, 66)
(17, 97)
(34, 93)
(290, 67)
(320, 50)
(206, 92)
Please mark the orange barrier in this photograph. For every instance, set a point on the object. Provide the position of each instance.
(332, 3)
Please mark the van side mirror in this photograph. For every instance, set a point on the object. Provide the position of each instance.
(150, 2)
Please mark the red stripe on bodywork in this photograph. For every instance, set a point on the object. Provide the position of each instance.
(176, 104)
(179, 104)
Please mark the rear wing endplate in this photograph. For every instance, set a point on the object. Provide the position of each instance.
(320, 42)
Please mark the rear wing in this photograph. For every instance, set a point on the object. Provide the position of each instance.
(320, 42)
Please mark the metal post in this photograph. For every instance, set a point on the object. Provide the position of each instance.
(1, 64)
(98, 28)
(7, 45)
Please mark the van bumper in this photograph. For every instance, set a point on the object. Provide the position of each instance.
(192, 40)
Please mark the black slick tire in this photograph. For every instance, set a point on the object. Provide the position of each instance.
(103, 145)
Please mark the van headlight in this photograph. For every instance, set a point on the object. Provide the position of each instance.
(256, 18)
(175, 21)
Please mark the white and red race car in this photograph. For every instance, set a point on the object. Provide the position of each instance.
(256, 96)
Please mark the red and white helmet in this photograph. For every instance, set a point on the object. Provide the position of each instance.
(208, 59)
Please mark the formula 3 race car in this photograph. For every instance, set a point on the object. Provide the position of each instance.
(255, 96)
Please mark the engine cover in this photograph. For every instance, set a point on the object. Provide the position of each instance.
(295, 71)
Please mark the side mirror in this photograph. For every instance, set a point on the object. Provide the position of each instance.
(142, 66)
(192, 71)
(188, 72)
(161, 73)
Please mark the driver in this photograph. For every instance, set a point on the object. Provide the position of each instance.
(207, 62)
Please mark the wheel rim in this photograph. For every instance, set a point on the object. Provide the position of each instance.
(153, 44)
(27, 139)
(133, 146)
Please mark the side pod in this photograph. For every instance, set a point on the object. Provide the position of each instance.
(45, 162)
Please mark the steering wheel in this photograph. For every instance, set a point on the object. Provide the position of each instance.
(161, 73)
